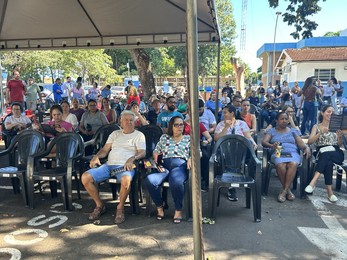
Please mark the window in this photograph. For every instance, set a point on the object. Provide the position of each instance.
(324, 74)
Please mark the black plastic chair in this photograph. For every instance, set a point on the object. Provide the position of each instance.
(69, 149)
(233, 163)
(267, 166)
(27, 143)
(152, 134)
(256, 111)
(343, 166)
(96, 143)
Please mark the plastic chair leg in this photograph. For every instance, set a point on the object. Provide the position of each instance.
(24, 190)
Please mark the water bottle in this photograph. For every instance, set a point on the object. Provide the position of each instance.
(278, 150)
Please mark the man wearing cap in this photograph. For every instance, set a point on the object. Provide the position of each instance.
(228, 89)
(206, 117)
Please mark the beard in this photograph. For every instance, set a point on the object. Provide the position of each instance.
(171, 108)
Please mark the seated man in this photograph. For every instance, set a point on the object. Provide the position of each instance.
(269, 110)
(123, 147)
(16, 122)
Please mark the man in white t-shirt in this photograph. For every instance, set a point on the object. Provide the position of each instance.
(123, 147)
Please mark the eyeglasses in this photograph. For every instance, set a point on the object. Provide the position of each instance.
(178, 125)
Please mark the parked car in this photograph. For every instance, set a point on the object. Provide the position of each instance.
(118, 91)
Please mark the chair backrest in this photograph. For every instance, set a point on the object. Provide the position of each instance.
(67, 146)
(344, 139)
(25, 144)
(152, 134)
(231, 152)
(254, 110)
(102, 134)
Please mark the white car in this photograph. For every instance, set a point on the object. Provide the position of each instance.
(118, 91)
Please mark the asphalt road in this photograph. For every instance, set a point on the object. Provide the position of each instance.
(311, 228)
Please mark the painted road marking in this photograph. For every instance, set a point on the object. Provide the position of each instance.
(53, 210)
(15, 253)
(10, 238)
(35, 221)
(330, 240)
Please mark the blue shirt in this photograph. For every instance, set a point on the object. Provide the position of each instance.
(165, 116)
(57, 92)
(105, 93)
(212, 104)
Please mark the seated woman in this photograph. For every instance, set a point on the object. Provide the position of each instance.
(292, 122)
(109, 113)
(90, 122)
(140, 120)
(231, 125)
(175, 150)
(329, 152)
(286, 164)
(249, 118)
(57, 122)
(67, 116)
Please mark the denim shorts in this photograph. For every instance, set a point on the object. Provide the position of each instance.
(103, 172)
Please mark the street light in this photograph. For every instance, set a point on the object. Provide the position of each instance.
(273, 53)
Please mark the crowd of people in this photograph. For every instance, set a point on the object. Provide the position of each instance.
(281, 108)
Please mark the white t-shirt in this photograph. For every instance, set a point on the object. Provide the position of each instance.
(72, 119)
(124, 146)
(13, 120)
(240, 127)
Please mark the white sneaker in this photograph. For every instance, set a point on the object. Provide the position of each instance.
(332, 198)
(309, 189)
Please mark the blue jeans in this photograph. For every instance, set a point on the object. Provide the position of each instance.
(309, 112)
(268, 116)
(177, 174)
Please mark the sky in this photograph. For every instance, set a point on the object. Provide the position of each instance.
(261, 21)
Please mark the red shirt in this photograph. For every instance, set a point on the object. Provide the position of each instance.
(16, 89)
(186, 131)
(133, 98)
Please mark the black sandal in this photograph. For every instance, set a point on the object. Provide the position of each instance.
(160, 217)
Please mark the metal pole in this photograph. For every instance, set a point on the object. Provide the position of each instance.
(192, 46)
(217, 82)
(1, 93)
(273, 53)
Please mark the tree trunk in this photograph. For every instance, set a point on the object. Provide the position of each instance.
(239, 70)
(142, 63)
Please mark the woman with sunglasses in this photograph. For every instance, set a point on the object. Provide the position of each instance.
(174, 147)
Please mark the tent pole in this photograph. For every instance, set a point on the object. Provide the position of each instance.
(1, 93)
(217, 81)
(192, 46)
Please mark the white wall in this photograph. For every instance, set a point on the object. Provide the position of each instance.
(301, 70)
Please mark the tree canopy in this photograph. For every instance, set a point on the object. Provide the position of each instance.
(297, 14)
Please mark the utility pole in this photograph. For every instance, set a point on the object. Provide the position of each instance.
(274, 51)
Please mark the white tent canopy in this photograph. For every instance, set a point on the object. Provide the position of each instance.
(58, 24)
